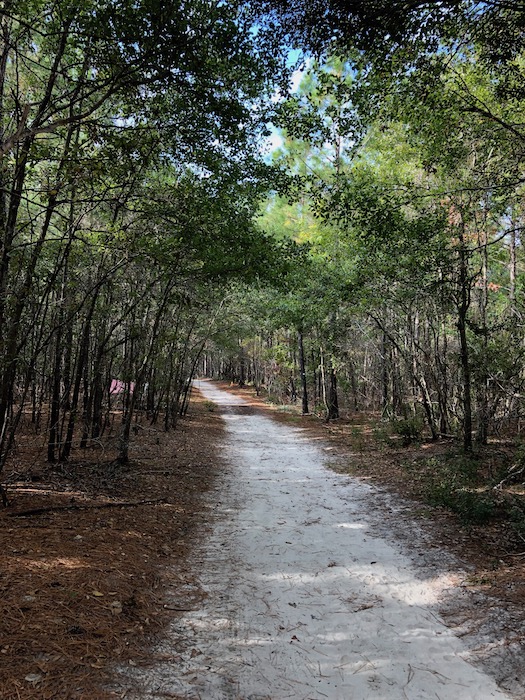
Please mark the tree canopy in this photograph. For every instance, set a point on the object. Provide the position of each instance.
(375, 255)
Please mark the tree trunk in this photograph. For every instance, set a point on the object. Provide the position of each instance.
(463, 306)
(302, 371)
(81, 363)
(333, 401)
(54, 414)
(482, 389)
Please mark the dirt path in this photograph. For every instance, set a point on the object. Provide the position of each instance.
(308, 596)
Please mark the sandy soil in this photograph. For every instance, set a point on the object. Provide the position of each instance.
(319, 586)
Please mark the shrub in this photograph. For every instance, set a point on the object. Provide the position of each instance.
(472, 506)
(409, 429)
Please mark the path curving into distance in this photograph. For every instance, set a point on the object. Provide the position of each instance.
(307, 598)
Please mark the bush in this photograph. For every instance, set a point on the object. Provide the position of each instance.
(455, 485)
(409, 429)
(453, 482)
(472, 506)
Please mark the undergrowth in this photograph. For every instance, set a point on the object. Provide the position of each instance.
(409, 429)
(461, 484)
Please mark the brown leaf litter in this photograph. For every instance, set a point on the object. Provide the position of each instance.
(90, 549)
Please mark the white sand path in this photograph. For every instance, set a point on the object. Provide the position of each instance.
(307, 598)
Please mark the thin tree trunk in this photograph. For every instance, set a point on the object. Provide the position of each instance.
(417, 378)
(512, 267)
(463, 306)
(333, 401)
(123, 456)
(302, 371)
(81, 363)
(482, 384)
(54, 415)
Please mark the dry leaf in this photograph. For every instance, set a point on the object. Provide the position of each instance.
(116, 607)
(33, 678)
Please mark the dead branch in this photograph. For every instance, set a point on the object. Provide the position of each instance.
(87, 506)
(514, 471)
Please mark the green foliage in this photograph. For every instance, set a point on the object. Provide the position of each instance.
(453, 484)
(132, 182)
(357, 437)
(381, 434)
(473, 507)
(135, 155)
(409, 429)
(517, 520)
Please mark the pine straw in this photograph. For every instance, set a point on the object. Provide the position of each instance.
(84, 582)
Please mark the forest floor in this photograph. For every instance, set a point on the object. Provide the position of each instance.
(97, 558)
(89, 550)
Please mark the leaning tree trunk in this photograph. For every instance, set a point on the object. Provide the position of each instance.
(79, 374)
(417, 377)
(123, 455)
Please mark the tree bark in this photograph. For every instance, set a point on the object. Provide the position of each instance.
(462, 309)
(302, 371)
(333, 401)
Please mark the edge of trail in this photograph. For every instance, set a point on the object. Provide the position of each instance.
(487, 607)
(220, 635)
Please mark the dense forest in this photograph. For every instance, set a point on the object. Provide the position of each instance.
(324, 199)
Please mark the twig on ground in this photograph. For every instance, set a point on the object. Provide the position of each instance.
(78, 506)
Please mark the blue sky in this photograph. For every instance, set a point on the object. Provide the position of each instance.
(275, 140)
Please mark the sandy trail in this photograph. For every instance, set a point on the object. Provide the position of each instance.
(307, 597)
